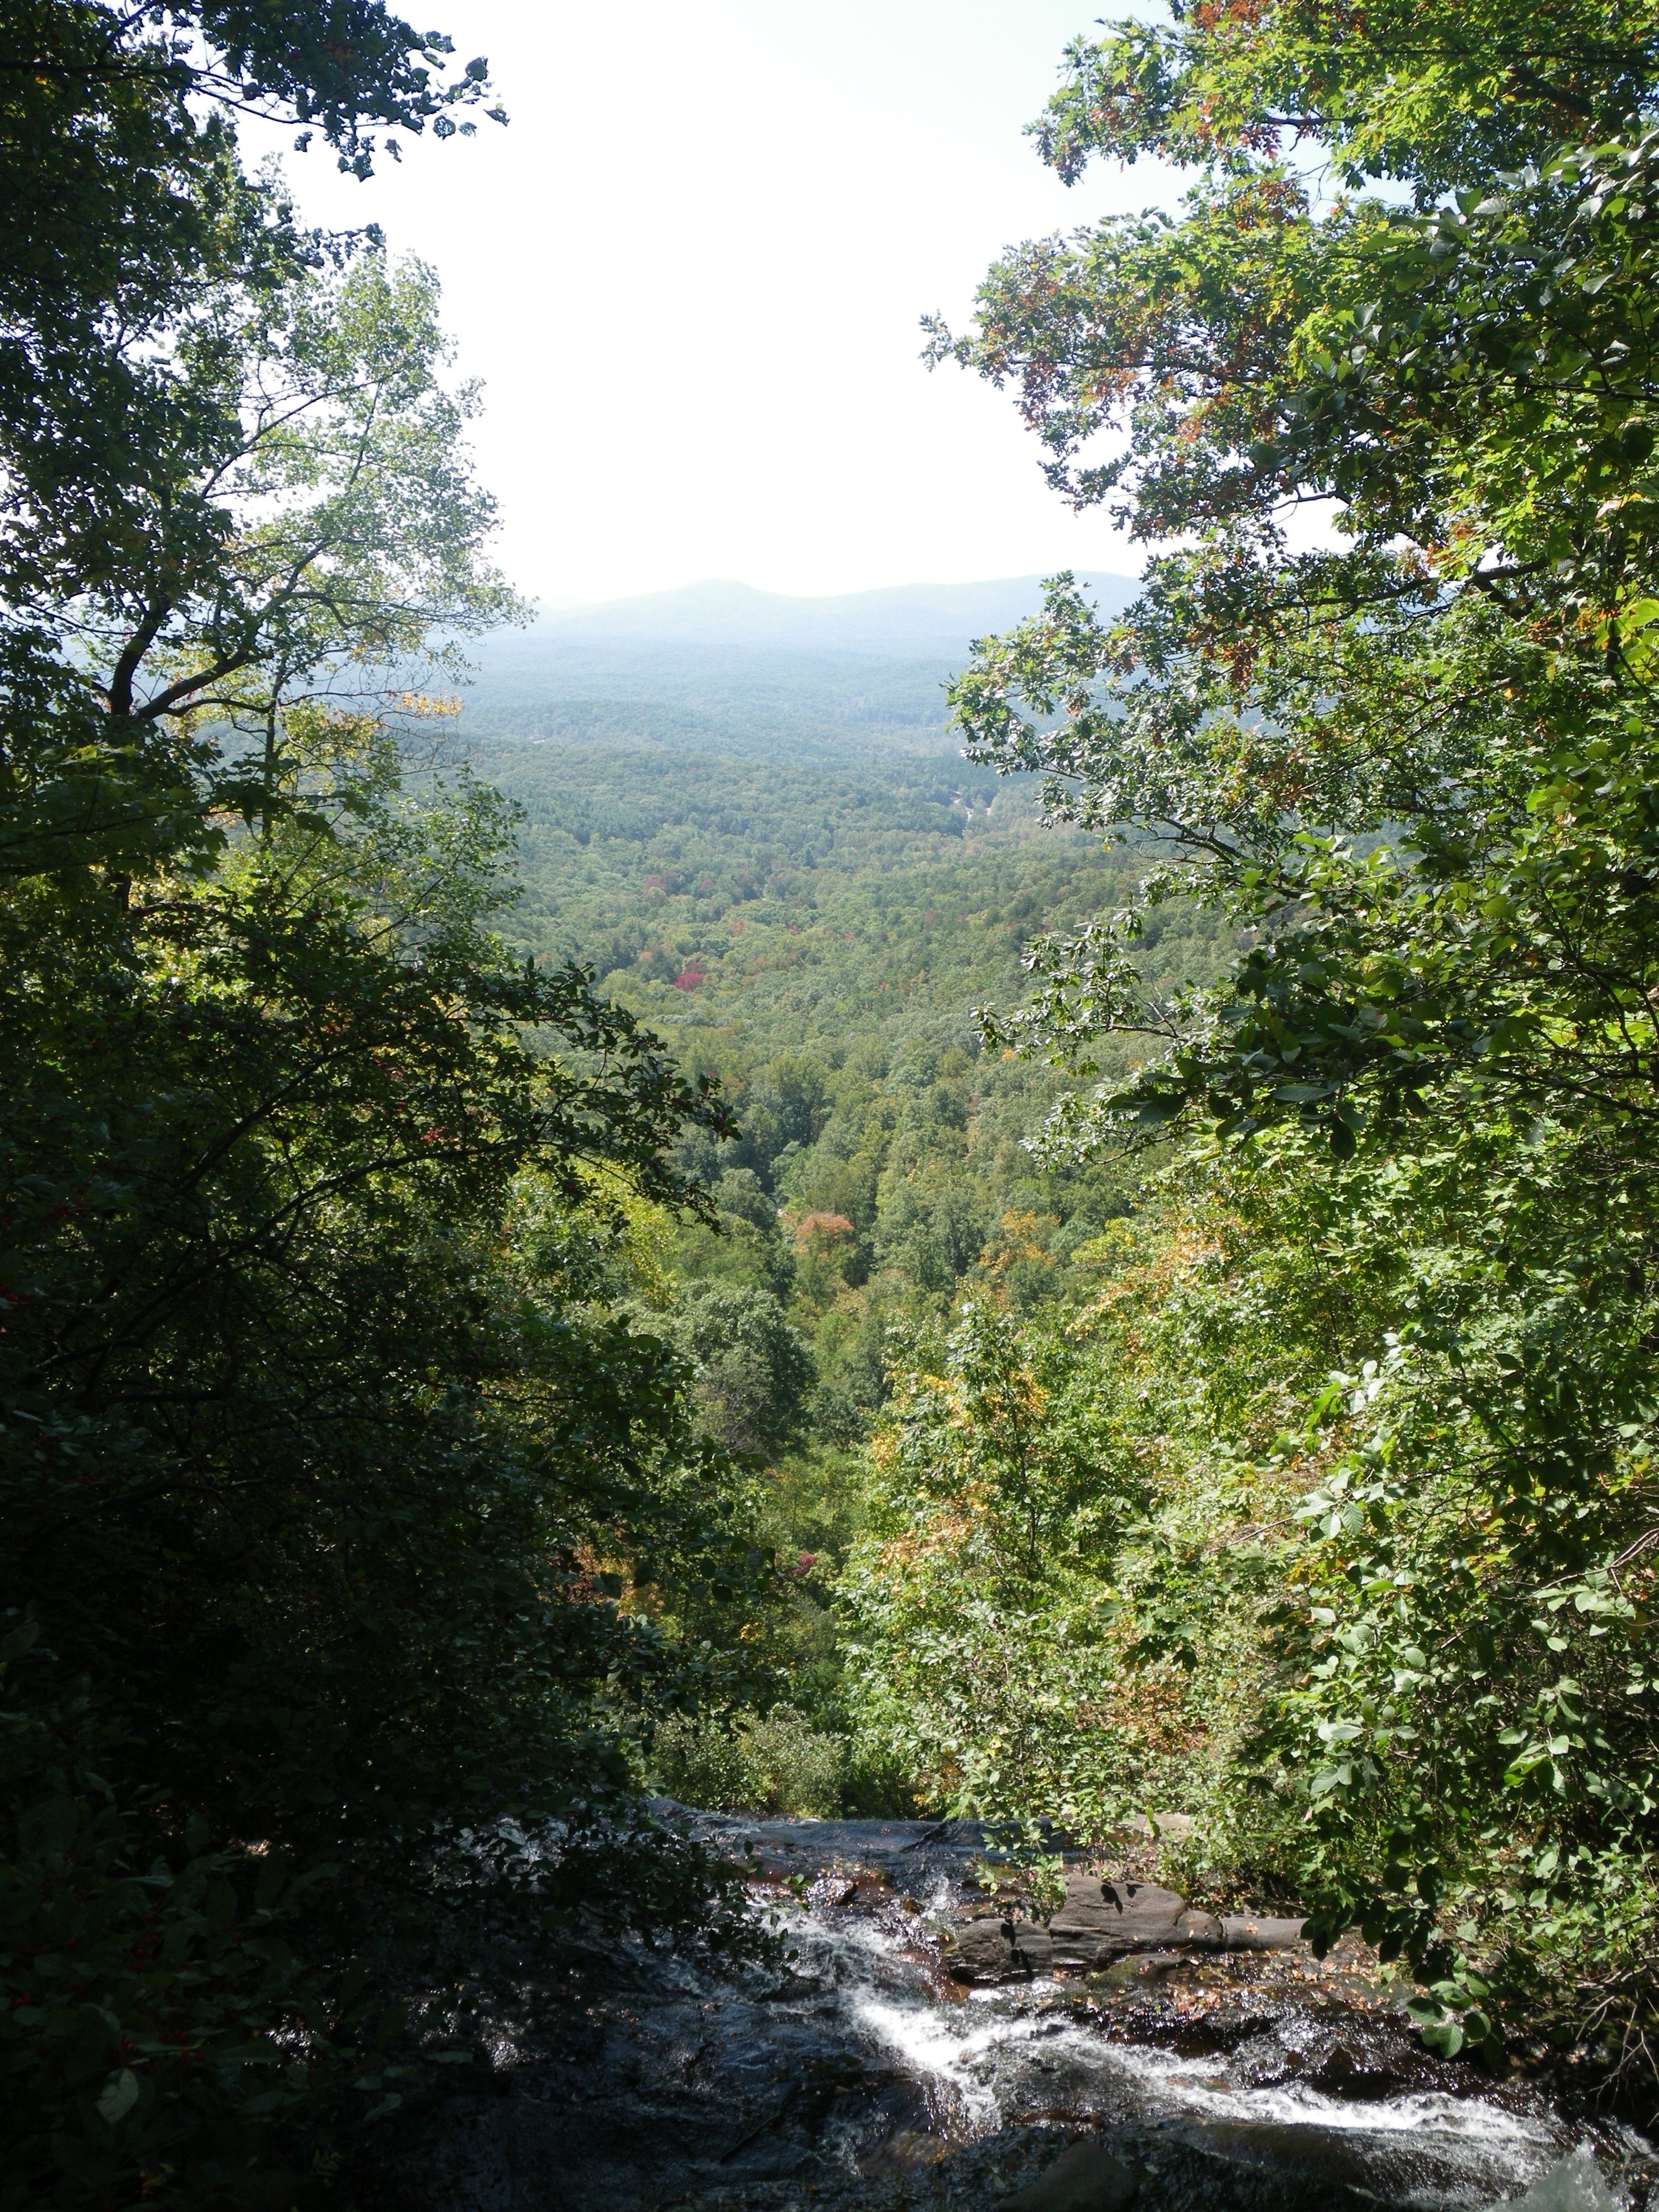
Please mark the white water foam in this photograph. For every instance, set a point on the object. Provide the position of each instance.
(929, 2043)
(1200, 2086)
(1573, 2184)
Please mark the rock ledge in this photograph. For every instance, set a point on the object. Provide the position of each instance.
(1102, 1921)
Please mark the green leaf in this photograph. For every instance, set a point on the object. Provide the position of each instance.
(49, 1827)
(118, 2096)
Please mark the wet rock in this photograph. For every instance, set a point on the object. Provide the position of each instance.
(1255, 1931)
(870, 1890)
(768, 1872)
(905, 2152)
(1101, 1921)
(995, 1950)
(1086, 2178)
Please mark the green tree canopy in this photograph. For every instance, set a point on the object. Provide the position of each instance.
(1412, 760)
(324, 1446)
(754, 1371)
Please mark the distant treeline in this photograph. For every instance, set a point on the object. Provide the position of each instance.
(753, 703)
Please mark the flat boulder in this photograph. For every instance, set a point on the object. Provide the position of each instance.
(991, 1949)
(1101, 1921)
(1255, 1931)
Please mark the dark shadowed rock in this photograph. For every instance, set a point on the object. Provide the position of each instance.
(1084, 2178)
(994, 1950)
(1101, 1921)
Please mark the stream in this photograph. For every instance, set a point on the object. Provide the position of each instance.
(863, 2072)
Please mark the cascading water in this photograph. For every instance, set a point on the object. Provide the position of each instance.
(1292, 2082)
(862, 2075)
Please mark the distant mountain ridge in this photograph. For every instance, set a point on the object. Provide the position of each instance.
(721, 668)
(924, 620)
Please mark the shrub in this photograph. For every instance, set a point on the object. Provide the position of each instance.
(748, 1763)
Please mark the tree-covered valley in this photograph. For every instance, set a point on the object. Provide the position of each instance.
(816, 938)
(1047, 1232)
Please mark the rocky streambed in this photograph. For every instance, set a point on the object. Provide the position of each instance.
(927, 2045)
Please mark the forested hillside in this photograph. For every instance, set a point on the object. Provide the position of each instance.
(751, 703)
(817, 940)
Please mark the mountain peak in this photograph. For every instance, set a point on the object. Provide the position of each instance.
(902, 619)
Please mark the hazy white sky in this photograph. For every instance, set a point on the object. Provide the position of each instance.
(690, 270)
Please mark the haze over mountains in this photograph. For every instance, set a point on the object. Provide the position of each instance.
(722, 668)
(926, 620)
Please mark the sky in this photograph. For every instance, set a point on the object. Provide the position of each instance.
(690, 273)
